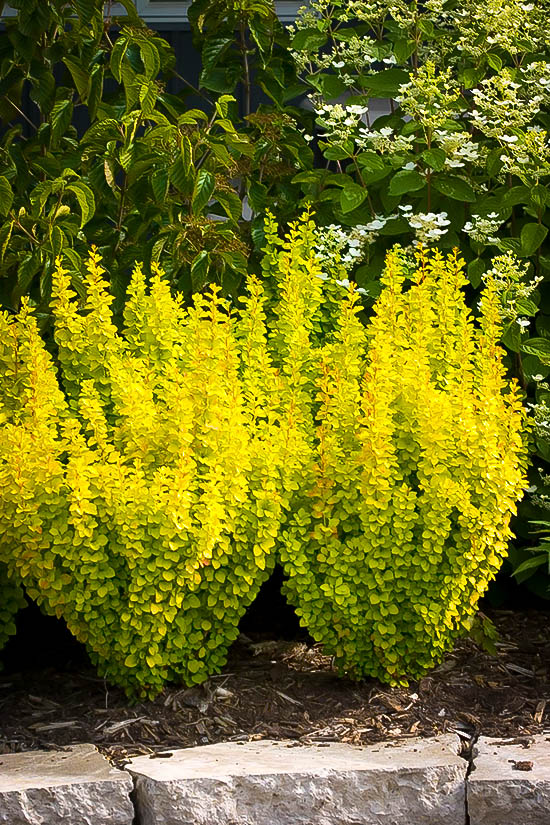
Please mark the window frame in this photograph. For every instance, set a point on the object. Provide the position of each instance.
(164, 11)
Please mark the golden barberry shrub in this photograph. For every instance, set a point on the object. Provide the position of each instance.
(411, 459)
(140, 492)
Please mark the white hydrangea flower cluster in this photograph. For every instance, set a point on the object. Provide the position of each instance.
(347, 246)
(527, 155)
(384, 140)
(483, 229)
(512, 25)
(357, 54)
(509, 276)
(429, 96)
(536, 78)
(541, 429)
(340, 123)
(501, 105)
(428, 227)
(459, 148)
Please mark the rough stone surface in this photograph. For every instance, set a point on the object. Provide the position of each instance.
(510, 782)
(76, 786)
(274, 783)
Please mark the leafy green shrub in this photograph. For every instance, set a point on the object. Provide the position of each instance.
(147, 175)
(410, 460)
(140, 497)
(12, 600)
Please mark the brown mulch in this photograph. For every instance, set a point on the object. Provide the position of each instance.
(287, 690)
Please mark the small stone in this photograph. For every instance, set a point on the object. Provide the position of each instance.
(504, 784)
(418, 781)
(75, 786)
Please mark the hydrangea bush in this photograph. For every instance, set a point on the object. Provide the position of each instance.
(460, 156)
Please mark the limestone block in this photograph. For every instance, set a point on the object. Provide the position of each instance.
(281, 783)
(510, 782)
(76, 786)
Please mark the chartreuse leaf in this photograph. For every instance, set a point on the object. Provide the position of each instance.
(205, 184)
(6, 196)
(85, 198)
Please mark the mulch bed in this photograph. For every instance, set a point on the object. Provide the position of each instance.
(287, 690)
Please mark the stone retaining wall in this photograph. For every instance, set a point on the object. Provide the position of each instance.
(411, 782)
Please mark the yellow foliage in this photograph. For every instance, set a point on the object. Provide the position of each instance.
(140, 497)
(412, 457)
(147, 489)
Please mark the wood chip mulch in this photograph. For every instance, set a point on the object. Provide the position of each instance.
(287, 690)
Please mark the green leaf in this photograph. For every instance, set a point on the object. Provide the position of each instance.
(406, 181)
(5, 237)
(85, 198)
(60, 118)
(222, 105)
(159, 184)
(213, 50)
(370, 161)
(148, 97)
(310, 40)
(199, 269)
(117, 56)
(257, 196)
(231, 204)
(515, 195)
(435, 158)
(85, 10)
(532, 563)
(235, 261)
(6, 196)
(329, 85)
(186, 154)
(476, 268)
(339, 152)
(205, 184)
(531, 237)
(453, 187)
(403, 49)
(352, 196)
(27, 269)
(179, 178)
(385, 83)
(494, 61)
(511, 338)
(150, 58)
(539, 347)
(79, 75)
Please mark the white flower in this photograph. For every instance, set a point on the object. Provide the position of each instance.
(344, 282)
(339, 64)
(537, 377)
(409, 166)
(523, 323)
(509, 138)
